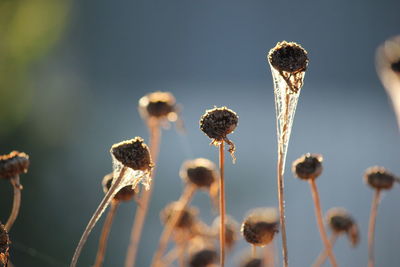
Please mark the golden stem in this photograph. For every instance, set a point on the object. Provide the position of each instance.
(222, 203)
(320, 222)
(371, 228)
(105, 233)
(323, 255)
(253, 251)
(141, 211)
(16, 202)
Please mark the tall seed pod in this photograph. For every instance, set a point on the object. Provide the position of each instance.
(217, 123)
(11, 166)
(288, 62)
(132, 165)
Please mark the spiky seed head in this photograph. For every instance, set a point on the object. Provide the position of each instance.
(289, 57)
(133, 153)
(217, 123)
(4, 246)
(340, 221)
(126, 193)
(260, 226)
(200, 172)
(379, 178)
(158, 105)
(188, 217)
(308, 166)
(13, 164)
(204, 257)
(231, 230)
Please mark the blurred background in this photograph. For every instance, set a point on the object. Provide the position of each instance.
(71, 73)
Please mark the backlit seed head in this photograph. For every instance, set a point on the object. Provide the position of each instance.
(289, 57)
(204, 257)
(13, 164)
(126, 193)
(188, 217)
(4, 246)
(260, 226)
(200, 172)
(340, 221)
(133, 153)
(231, 230)
(379, 178)
(158, 105)
(308, 166)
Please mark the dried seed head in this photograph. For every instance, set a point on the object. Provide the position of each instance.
(379, 178)
(188, 217)
(133, 153)
(260, 226)
(308, 166)
(205, 257)
(4, 246)
(217, 123)
(231, 230)
(126, 193)
(340, 221)
(289, 57)
(158, 105)
(200, 172)
(251, 261)
(13, 164)
(396, 66)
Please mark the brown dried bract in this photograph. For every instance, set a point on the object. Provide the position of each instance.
(13, 164)
(188, 217)
(133, 153)
(203, 258)
(4, 246)
(289, 57)
(340, 221)
(379, 178)
(126, 193)
(308, 166)
(201, 172)
(260, 226)
(217, 123)
(158, 105)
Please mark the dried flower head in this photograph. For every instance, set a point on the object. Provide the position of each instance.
(340, 221)
(200, 172)
(217, 123)
(133, 153)
(188, 217)
(260, 226)
(204, 257)
(4, 246)
(160, 105)
(379, 178)
(126, 193)
(308, 166)
(289, 57)
(231, 230)
(13, 164)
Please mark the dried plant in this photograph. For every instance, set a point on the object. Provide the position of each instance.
(309, 168)
(4, 246)
(288, 62)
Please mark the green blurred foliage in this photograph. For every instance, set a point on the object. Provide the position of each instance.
(28, 30)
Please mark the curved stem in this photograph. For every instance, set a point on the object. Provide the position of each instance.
(16, 202)
(222, 203)
(183, 202)
(323, 255)
(141, 211)
(105, 233)
(320, 222)
(96, 216)
(371, 228)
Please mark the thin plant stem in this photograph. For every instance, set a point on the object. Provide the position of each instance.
(181, 256)
(99, 211)
(269, 255)
(183, 202)
(16, 202)
(171, 256)
(105, 233)
(371, 228)
(320, 222)
(253, 251)
(323, 255)
(222, 203)
(141, 211)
